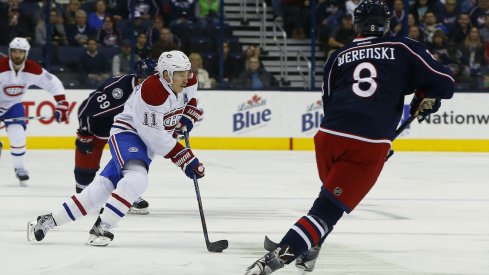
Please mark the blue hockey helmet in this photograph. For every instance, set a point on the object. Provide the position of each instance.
(372, 18)
(145, 67)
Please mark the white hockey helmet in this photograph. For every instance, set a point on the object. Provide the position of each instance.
(172, 61)
(20, 43)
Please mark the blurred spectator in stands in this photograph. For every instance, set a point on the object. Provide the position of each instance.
(121, 63)
(429, 26)
(15, 25)
(484, 32)
(94, 67)
(251, 50)
(411, 21)
(166, 43)
(96, 18)
(419, 9)
(117, 8)
(329, 14)
(397, 20)
(296, 13)
(153, 32)
(109, 35)
(207, 12)
(141, 48)
(473, 55)
(278, 11)
(448, 15)
(478, 14)
(205, 82)
(461, 29)
(468, 5)
(58, 33)
(342, 35)
(70, 13)
(182, 11)
(350, 6)
(255, 77)
(415, 33)
(144, 8)
(232, 66)
(78, 34)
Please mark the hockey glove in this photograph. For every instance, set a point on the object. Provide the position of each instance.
(61, 113)
(186, 160)
(191, 114)
(84, 142)
(422, 107)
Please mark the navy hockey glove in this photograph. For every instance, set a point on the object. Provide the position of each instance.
(61, 113)
(186, 160)
(84, 142)
(422, 107)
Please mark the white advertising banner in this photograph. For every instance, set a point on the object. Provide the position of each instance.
(277, 114)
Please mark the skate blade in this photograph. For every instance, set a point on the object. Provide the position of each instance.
(23, 183)
(30, 230)
(98, 241)
(138, 211)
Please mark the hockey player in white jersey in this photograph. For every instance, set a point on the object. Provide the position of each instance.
(161, 104)
(17, 74)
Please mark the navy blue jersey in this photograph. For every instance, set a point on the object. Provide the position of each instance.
(97, 112)
(364, 85)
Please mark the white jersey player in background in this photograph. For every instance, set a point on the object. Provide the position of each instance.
(155, 110)
(17, 74)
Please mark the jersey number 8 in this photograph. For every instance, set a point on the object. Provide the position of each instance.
(370, 79)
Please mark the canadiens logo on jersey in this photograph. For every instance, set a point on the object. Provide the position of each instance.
(13, 90)
(171, 119)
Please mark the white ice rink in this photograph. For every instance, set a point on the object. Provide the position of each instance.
(427, 214)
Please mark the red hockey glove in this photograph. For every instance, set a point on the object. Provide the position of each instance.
(186, 160)
(61, 113)
(84, 142)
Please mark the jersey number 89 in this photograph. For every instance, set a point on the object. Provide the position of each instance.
(370, 79)
(102, 99)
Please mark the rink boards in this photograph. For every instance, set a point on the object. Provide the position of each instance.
(256, 120)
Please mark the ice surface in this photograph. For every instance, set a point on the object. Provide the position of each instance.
(427, 214)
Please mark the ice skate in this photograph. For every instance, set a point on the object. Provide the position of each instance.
(22, 175)
(38, 229)
(271, 262)
(139, 207)
(100, 234)
(307, 261)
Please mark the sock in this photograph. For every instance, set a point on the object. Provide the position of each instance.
(90, 200)
(16, 135)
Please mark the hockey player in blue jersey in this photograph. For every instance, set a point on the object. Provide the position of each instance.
(364, 86)
(96, 115)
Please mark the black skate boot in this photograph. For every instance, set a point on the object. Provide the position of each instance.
(38, 229)
(271, 262)
(100, 234)
(22, 175)
(139, 207)
(307, 261)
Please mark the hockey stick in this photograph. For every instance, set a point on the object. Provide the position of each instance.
(217, 246)
(26, 118)
(399, 130)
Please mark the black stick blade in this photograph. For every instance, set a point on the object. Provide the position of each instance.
(218, 246)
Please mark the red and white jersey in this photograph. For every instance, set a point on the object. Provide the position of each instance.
(153, 111)
(14, 85)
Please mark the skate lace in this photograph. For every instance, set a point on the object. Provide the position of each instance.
(103, 227)
(46, 223)
(138, 200)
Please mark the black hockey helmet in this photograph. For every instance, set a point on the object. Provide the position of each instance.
(372, 18)
(145, 67)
